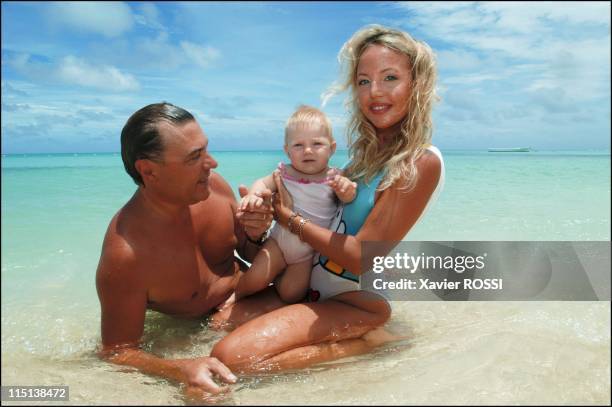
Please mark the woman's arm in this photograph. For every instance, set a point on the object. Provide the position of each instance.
(393, 215)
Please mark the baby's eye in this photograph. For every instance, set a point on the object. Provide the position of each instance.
(297, 145)
(362, 82)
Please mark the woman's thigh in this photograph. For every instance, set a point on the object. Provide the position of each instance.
(344, 316)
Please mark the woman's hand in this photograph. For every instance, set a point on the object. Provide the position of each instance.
(281, 200)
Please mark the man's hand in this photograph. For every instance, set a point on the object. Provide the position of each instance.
(255, 219)
(345, 189)
(198, 374)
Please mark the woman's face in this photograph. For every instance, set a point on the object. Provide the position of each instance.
(384, 86)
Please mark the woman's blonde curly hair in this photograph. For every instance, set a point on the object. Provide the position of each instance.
(368, 156)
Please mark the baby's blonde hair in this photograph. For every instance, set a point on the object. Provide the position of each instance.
(308, 117)
(368, 156)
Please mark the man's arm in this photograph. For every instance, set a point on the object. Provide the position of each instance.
(252, 224)
(123, 300)
(249, 225)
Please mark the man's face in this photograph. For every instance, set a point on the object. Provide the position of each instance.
(185, 168)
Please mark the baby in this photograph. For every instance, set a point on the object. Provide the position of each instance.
(315, 189)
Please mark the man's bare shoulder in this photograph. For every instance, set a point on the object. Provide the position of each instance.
(219, 185)
(118, 261)
(221, 195)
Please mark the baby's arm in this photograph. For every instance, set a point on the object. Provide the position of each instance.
(345, 189)
(253, 198)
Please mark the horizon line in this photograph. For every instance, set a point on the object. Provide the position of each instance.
(483, 149)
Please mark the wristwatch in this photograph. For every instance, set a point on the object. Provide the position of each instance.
(262, 239)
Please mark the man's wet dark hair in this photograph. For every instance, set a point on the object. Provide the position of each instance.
(140, 138)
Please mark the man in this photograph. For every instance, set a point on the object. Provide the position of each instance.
(171, 247)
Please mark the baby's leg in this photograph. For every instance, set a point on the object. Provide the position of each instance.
(268, 263)
(293, 283)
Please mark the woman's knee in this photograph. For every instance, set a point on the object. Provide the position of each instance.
(381, 311)
(384, 312)
(227, 353)
(376, 306)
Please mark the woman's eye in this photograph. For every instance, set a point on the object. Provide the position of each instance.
(390, 78)
(363, 82)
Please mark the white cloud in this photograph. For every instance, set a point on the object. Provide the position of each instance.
(471, 79)
(566, 44)
(527, 16)
(76, 71)
(19, 61)
(515, 28)
(11, 90)
(199, 54)
(159, 51)
(457, 59)
(510, 16)
(149, 16)
(110, 19)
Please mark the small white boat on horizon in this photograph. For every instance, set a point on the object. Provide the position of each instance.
(510, 150)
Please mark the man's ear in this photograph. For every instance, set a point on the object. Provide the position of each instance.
(146, 169)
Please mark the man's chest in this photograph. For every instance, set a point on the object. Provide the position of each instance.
(192, 266)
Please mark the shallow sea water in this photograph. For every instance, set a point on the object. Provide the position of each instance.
(55, 210)
(455, 353)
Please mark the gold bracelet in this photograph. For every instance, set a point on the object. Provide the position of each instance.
(303, 221)
(290, 221)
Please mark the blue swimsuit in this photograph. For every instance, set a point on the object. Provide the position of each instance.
(329, 278)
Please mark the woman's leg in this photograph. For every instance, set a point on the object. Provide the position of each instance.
(306, 356)
(300, 335)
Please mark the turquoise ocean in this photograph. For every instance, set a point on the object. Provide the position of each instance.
(56, 207)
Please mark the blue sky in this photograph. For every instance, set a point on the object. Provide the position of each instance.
(510, 74)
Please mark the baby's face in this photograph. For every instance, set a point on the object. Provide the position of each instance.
(309, 149)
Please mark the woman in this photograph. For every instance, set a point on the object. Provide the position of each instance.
(391, 78)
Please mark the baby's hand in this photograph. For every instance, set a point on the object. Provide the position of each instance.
(345, 189)
(250, 202)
